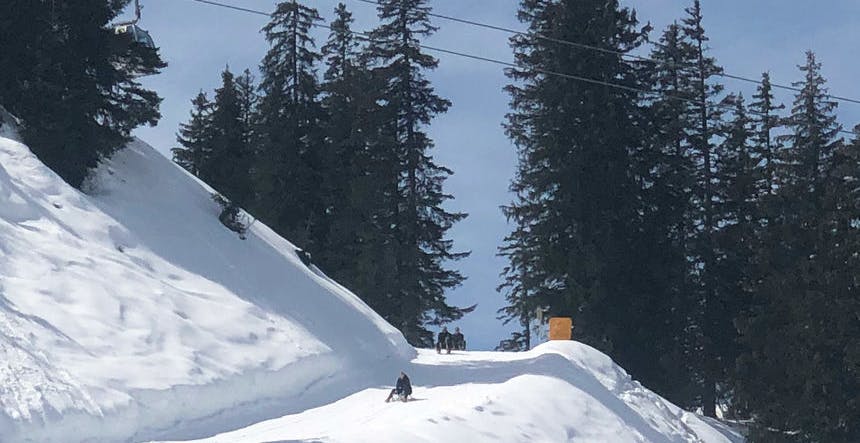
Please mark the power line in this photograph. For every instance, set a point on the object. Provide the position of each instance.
(366, 37)
(237, 8)
(604, 50)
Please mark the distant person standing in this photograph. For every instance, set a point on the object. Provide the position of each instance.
(443, 340)
(458, 341)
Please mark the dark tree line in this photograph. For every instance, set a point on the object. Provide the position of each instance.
(339, 161)
(72, 81)
(707, 242)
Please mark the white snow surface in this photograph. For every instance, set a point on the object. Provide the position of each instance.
(130, 314)
(558, 392)
(132, 311)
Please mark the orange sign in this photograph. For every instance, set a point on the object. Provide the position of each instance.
(560, 328)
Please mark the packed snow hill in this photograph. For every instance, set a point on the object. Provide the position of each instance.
(130, 314)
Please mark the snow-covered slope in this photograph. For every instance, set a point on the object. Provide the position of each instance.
(133, 310)
(558, 392)
(131, 314)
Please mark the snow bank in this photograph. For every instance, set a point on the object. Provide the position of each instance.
(558, 392)
(132, 310)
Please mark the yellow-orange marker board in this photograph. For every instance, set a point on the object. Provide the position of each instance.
(559, 328)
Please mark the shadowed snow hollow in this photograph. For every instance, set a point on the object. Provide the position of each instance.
(132, 311)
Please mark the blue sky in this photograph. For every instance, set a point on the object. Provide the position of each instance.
(747, 38)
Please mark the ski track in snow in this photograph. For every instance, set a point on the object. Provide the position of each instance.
(130, 314)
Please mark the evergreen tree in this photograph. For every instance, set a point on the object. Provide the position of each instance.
(798, 372)
(354, 246)
(735, 241)
(349, 106)
(667, 180)
(195, 137)
(813, 131)
(289, 167)
(587, 233)
(25, 30)
(418, 229)
(228, 165)
(76, 88)
(766, 146)
(829, 311)
(246, 89)
(521, 280)
(217, 145)
(701, 135)
(767, 153)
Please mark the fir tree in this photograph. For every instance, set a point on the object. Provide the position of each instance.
(419, 225)
(766, 146)
(813, 129)
(520, 280)
(767, 153)
(229, 161)
(798, 375)
(354, 246)
(217, 144)
(246, 89)
(830, 315)
(735, 242)
(77, 90)
(25, 32)
(666, 175)
(585, 236)
(195, 137)
(701, 134)
(288, 163)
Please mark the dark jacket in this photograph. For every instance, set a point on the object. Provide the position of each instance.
(404, 386)
(458, 341)
(444, 339)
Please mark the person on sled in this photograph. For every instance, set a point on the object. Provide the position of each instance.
(403, 388)
(443, 340)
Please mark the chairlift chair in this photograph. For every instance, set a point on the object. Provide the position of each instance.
(133, 31)
(137, 35)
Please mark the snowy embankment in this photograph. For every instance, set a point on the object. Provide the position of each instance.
(558, 392)
(131, 314)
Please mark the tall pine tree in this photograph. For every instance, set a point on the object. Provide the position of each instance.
(586, 242)
(667, 180)
(288, 163)
(195, 137)
(798, 372)
(766, 145)
(735, 241)
(228, 166)
(217, 143)
(702, 133)
(354, 249)
(521, 277)
(75, 87)
(419, 225)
